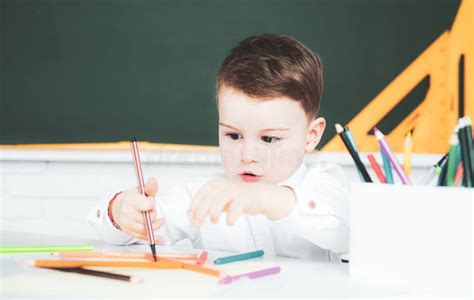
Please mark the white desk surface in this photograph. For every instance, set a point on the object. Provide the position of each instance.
(298, 278)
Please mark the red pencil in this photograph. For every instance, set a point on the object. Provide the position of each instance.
(376, 168)
(141, 189)
(202, 258)
(459, 175)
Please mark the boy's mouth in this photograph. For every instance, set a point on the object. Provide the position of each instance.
(250, 177)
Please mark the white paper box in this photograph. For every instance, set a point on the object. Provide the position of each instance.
(419, 237)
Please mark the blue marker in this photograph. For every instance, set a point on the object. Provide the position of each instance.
(238, 257)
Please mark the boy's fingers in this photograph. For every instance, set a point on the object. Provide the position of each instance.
(235, 210)
(153, 214)
(157, 224)
(220, 201)
(151, 187)
(135, 234)
(201, 194)
(143, 203)
(137, 227)
(201, 211)
(159, 240)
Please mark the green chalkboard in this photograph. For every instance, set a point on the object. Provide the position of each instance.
(106, 70)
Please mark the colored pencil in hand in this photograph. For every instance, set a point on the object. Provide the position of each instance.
(141, 188)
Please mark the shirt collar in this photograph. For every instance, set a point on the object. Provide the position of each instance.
(296, 177)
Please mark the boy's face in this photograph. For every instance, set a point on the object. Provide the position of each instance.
(263, 140)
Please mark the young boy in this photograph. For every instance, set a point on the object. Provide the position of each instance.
(268, 94)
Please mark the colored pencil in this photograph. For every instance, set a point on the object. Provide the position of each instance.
(387, 168)
(238, 257)
(433, 171)
(96, 273)
(443, 174)
(126, 263)
(454, 143)
(391, 156)
(137, 255)
(251, 275)
(141, 188)
(407, 154)
(201, 269)
(360, 166)
(50, 248)
(376, 168)
(202, 258)
(348, 132)
(459, 175)
(465, 155)
(470, 147)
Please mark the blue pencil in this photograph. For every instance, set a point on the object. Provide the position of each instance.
(238, 257)
(352, 140)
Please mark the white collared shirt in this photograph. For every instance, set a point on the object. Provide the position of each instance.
(317, 227)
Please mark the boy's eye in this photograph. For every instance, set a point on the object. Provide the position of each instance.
(234, 136)
(270, 139)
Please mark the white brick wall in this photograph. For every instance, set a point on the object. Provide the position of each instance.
(52, 191)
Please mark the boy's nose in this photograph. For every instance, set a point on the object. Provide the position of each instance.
(249, 155)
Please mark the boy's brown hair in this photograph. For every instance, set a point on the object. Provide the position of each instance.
(274, 65)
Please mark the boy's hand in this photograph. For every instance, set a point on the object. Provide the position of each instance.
(128, 207)
(237, 198)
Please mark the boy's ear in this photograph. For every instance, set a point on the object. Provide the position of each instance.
(315, 132)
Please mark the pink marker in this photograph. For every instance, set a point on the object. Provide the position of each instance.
(202, 258)
(251, 275)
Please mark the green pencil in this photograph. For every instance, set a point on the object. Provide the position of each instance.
(465, 155)
(51, 248)
(453, 149)
(238, 257)
(386, 167)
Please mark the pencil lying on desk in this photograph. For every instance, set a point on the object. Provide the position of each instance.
(138, 255)
(77, 263)
(239, 257)
(161, 263)
(201, 269)
(202, 258)
(43, 248)
(96, 273)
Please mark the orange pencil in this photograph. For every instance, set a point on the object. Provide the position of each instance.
(56, 263)
(201, 269)
(195, 268)
(136, 255)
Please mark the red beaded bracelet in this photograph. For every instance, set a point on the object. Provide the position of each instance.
(109, 211)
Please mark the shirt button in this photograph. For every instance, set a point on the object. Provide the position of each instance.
(98, 213)
(312, 204)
